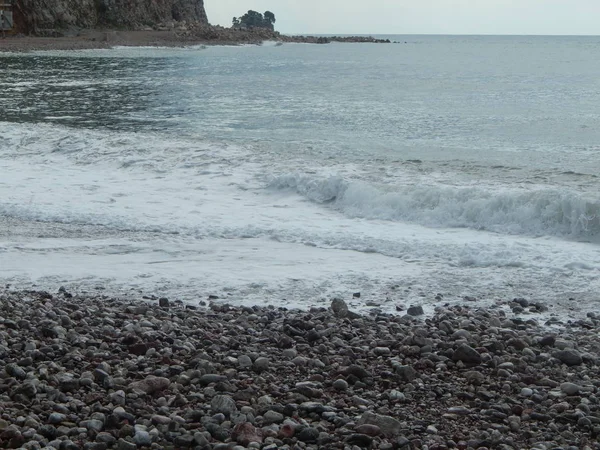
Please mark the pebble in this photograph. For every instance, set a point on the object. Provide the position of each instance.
(223, 404)
(273, 417)
(244, 361)
(570, 388)
(150, 385)
(56, 418)
(308, 434)
(261, 364)
(142, 438)
(340, 385)
(388, 425)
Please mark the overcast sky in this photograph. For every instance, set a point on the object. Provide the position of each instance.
(419, 16)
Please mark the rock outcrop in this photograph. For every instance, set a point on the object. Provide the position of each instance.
(55, 16)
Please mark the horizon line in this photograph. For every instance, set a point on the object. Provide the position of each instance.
(438, 34)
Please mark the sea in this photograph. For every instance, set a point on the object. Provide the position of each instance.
(433, 170)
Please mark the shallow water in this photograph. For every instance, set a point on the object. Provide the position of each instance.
(291, 174)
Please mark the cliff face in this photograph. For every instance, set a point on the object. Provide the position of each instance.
(40, 16)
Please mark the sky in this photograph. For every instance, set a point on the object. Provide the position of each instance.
(535, 17)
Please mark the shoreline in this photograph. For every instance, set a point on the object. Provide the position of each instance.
(106, 39)
(97, 372)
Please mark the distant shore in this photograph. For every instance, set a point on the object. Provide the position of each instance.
(165, 37)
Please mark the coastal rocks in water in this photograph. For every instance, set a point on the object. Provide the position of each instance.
(339, 308)
(415, 310)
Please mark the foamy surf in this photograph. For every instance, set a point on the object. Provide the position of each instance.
(533, 211)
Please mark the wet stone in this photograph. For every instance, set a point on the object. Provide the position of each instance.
(340, 385)
(415, 311)
(570, 388)
(223, 404)
(466, 354)
(569, 357)
(308, 434)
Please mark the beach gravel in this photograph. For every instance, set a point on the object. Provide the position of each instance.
(94, 372)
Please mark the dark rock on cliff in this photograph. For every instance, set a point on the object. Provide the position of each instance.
(54, 16)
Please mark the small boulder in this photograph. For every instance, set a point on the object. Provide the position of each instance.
(245, 433)
(570, 388)
(150, 385)
(466, 354)
(569, 357)
(308, 434)
(223, 404)
(339, 308)
(387, 424)
(415, 310)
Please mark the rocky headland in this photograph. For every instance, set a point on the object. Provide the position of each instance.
(93, 24)
(93, 372)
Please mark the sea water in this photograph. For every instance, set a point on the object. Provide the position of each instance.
(289, 175)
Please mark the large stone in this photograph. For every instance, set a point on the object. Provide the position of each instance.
(245, 433)
(406, 373)
(261, 364)
(223, 404)
(308, 434)
(357, 371)
(142, 438)
(340, 385)
(569, 357)
(15, 371)
(415, 310)
(339, 308)
(273, 417)
(244, 361)
(570, 388)
(211, 378)
(122, 444)
(387, 424)
(359, 440)
(466, 354)
(150, 385)
(368, 429)
(56, 418)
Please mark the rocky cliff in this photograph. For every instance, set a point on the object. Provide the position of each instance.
(46, 16)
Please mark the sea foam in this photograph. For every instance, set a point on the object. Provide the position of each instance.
(538, 211)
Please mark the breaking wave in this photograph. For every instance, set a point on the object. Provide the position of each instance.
(535, 212)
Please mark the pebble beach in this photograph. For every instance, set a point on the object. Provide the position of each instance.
(94, 372)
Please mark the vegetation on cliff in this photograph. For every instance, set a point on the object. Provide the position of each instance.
(254, 19)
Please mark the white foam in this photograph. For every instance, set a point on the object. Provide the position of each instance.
(179, 216)
(534, 211)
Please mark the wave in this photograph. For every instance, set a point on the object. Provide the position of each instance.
(530, 212)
